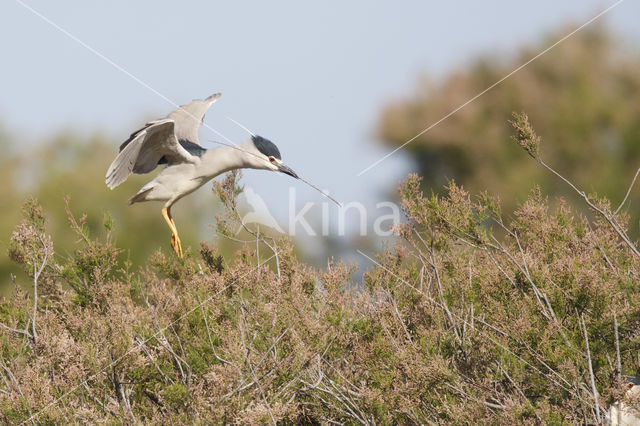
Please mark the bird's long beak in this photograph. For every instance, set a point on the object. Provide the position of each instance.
(286, 170)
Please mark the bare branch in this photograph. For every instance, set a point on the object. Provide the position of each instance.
(609, 218)
(97, 401)
(16, 385)
(624, 200)
(253, 373)
(36, 276)
(213, 348)
(593, 381)
(615, 328)
(15, 330)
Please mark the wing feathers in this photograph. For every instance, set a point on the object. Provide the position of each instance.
(124, 163)
(189, 117)
(137, 132)
(143, 151)
(158, 140)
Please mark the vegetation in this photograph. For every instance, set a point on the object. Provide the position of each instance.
(73, 167)
(584, 95)
(520, 310)
(454, 323)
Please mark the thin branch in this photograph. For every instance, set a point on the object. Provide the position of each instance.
(624, 200)
(97, 401)
(161, 338)
(593, 381)
(537, 356)
(610, 219)
(182, 358)
(445, 308)
(36, 276)
(231, 205)
(17, 386)
(273, 249)
(141, 344)
(298, 372)
(474, 399)
(206, 323)
(124, 397)
(253, 373)
(338, 397)
(15, 330)
(615, 328)
(400, 320)
(514, 384)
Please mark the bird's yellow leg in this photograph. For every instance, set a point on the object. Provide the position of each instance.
(175, 240)
(167, 218)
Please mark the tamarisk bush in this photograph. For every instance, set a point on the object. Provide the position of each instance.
(470, 317)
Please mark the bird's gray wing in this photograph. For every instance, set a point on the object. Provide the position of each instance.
(189, 117)
(144, 149)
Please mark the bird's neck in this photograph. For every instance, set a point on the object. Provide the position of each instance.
(223, 159)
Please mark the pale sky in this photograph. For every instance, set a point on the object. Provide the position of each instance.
(312, 77)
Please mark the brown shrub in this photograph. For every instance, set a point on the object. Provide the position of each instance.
(456, 323)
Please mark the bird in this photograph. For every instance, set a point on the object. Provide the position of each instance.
(172, 142)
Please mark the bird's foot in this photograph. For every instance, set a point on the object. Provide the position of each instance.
(179, 244)
(176, 245)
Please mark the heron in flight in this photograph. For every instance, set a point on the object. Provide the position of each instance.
(173, 142)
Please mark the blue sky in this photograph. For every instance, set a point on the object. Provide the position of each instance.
(312, 77)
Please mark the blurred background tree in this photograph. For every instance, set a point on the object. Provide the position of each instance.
(583, 97)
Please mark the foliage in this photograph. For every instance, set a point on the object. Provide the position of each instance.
(68, 166)
(455, 324)
(584, 94)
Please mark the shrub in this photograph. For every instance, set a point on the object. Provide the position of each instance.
(470, 318)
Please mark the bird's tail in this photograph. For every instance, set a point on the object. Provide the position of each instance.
(140, 196)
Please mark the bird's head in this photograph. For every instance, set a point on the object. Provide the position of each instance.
(267, 156)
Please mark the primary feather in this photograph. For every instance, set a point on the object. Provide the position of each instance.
(172, 140)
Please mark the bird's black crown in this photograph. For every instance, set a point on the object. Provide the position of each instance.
(266, 147)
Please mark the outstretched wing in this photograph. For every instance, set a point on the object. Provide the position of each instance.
(189, 117)
(145, 148)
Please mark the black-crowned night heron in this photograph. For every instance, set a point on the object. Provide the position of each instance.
(173, 141)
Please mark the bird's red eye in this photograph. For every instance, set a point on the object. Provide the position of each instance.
(272, 159)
